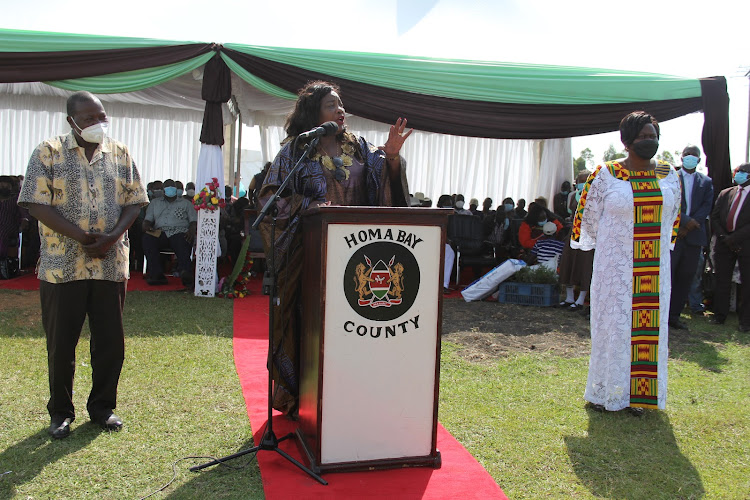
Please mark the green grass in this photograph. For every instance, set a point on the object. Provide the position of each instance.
(522, 416)
(179, 396)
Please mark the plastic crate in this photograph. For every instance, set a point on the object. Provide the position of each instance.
(528, 294)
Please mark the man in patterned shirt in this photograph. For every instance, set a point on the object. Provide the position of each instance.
(85, 190)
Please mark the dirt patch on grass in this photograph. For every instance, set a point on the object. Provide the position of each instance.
(489, 330)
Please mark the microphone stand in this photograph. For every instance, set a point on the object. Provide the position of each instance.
(269, 441)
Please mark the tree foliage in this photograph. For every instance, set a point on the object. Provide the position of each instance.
(612, 154)
(586, 160)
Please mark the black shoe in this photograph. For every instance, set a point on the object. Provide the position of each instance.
(677, 324)
(565, 305)
(715, 321)
(110, 423)
(59, 427)
(574, 307)
(161, 280)
(636, 412)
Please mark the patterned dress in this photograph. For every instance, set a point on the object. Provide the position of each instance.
(631, 218)
(366, 184)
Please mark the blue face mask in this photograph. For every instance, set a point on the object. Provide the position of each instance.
(179, 192)
(508, 207)
(541, 222)
(579, 186)
(565, 192)
(150, 194)
(740, 177)
(170, 192)
(690, 161)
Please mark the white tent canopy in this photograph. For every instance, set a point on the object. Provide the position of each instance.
(162, 124)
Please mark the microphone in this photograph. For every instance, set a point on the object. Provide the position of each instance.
(328, 128)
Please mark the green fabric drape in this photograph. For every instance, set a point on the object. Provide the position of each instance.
(483, 80)
(43, 41)
(130, 81)
(256, 82)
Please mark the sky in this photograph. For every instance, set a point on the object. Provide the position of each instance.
(676, 37)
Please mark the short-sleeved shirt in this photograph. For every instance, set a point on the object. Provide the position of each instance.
(91, 195)
(172, 217)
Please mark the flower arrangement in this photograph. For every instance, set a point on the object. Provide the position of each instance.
(209, 197)
(237, 288)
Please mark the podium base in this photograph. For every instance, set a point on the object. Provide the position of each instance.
(434, 461)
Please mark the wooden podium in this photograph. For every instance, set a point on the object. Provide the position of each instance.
(370, 348)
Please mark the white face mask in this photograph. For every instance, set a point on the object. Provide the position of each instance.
(94, 134)
(190, 192)
(459, 204)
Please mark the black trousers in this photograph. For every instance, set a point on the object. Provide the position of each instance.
(152, 245)
(684, 263)
(64, 308)
(724, 259)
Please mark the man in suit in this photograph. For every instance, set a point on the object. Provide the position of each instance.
(697, 198)
(730, 243)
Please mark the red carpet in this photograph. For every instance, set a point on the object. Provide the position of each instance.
(461, 476)
(136, 283)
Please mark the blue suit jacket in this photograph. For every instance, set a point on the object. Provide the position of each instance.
(700, 207)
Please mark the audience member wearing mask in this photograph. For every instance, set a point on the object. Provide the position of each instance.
(730, 244)
(156, 191)
(189, 191)
(170, 222)
(510, 213)
(180, 188)
(697, 199)
(459, 209)
(576, 265)
(531, 227)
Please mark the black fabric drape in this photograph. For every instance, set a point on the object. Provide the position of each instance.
(467, 118)
(216, 90)
(49, 66)
(716, 131)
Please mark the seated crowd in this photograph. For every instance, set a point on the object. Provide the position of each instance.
(535, 234)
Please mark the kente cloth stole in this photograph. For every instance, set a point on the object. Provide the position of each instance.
(644, 338)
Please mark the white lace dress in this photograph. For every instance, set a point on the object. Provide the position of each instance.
(607, 225)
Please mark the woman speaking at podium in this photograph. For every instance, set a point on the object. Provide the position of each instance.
(343, 170)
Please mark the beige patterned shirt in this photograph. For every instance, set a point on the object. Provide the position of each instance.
(88, 194)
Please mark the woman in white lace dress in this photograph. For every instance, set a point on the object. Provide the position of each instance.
(629, 212)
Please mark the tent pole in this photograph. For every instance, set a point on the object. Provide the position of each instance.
(235, 183)
(239, 145)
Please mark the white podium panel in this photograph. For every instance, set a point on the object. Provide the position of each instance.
(380, 349)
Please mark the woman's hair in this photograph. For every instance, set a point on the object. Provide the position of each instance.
(307, 109)
(631, 126)
(536, 213)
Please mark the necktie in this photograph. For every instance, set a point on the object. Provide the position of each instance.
(733, 210)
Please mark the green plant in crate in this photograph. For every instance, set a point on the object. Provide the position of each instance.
(540, 275)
